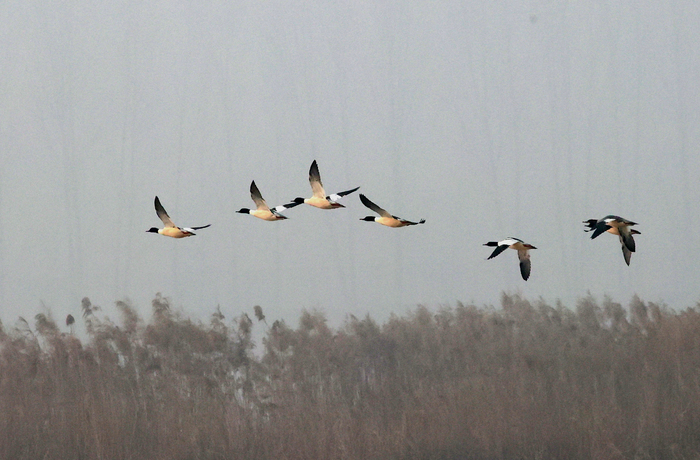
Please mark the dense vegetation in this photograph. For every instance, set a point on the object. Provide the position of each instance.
(524, 381)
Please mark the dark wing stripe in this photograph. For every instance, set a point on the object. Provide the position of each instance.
(257, 197)
(366, 201)
(288, 205)
(162, 215)
(626, 253)
(347, 192)
(525, 268)
(627, 240)
(254, 191)
(498, 250)
(314, 175)
(408, 222)
(590, 225)
(599, 229)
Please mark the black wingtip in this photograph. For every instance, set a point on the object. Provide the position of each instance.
(292, 204)
(313, 167)
(348, 192)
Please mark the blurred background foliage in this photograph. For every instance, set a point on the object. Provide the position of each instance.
(525, 380)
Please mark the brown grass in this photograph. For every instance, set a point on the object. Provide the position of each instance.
(524, 381)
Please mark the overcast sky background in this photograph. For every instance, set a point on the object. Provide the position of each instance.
(487, 119)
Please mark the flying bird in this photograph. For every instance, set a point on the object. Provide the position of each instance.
(263, 211)
(384, 217)
(170, 228)
(319, 198)
(617, 226)
(518, 245)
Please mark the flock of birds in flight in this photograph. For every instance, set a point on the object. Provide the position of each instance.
(611, 224)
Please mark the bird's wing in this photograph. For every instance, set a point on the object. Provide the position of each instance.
(524, 257)
(198, 228)
(160, 210)
(282, 207)
(626, 253)
(600, 227)
(626, 238)
(366, 201)
(339, 195)
(408, 222)
(315, 181)
(257, 197)
(619, 220)
(499, 249)
(590, 224)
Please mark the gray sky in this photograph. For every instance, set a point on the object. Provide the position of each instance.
(488, 119)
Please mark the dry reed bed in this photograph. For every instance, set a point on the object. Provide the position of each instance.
(523, 381)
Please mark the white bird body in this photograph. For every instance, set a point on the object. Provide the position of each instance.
(518, 245)
(263, 211)
(617, 226)
(385, 218)
(319, 199)
(170, 229)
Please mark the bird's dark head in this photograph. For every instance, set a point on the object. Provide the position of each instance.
(244, 211)
(152, 230)
(298, 200)
(368, 218)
